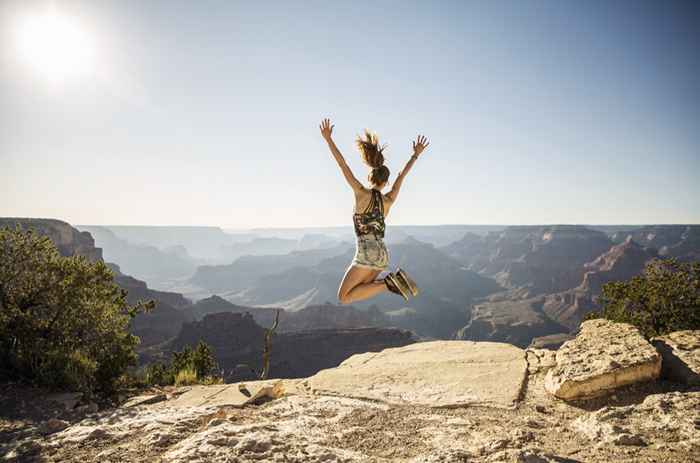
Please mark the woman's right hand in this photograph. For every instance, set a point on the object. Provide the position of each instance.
(326, 129)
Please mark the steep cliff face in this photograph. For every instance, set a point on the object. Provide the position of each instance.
(68, 240)
(236, 339)
(621, 262)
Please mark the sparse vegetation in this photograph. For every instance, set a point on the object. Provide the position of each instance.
(186, 377)
(63, 320)
(663, 299)
(189, 366)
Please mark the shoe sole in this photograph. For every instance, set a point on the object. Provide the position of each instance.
(399, 285)
(409, 282)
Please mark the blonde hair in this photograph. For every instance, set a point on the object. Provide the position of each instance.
(373, 155)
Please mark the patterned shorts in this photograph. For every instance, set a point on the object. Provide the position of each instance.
(371, 253)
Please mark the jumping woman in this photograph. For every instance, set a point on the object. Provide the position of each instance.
(371, 208)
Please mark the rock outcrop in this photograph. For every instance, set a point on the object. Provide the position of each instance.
(68, 240)
(434, 374)
(419, 413)
(552, 341)
(603, 356)
(680, 352)
(671, 413)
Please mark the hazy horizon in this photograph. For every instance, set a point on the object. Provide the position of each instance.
(152, 113)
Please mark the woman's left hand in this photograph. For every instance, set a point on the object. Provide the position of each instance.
(420, 144)
(326, 129)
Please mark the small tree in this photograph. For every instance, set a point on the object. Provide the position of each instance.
(664, 298)
(63, 320)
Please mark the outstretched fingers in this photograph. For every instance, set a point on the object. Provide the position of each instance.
(326, 127)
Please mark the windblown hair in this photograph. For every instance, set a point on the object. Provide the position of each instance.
(373, 155)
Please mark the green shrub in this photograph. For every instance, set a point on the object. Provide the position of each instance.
(159, 374)
(63, 320)
(200, 361)
(663, 299)
(186, 377)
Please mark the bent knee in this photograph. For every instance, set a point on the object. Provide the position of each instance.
(344, 297)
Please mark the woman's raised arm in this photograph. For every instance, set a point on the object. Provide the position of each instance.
(327, 133)
(419, 145)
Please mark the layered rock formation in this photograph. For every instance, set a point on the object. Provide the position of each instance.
(620, 262)
(603, 356)
(514, 322)
(678, 241)
(544, 259)
(68, 240)
(558, 255)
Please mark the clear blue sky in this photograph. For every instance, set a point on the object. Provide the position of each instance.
(207, 113)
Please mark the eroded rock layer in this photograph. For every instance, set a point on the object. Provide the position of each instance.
(603, 356)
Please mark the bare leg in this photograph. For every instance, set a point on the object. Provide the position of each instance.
(359, 284)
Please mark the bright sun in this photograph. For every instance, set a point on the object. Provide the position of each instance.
(55, 45)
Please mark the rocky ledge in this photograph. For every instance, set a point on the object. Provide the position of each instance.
(450, 402)
(604, 356)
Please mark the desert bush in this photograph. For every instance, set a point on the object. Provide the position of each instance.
(186, 377)
(159, 374)
(200, 361)
(63, 320)
(663, 299)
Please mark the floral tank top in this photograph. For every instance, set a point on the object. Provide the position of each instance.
(371, 220)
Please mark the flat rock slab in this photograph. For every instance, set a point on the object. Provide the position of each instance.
(603, 356)
(433, 374)
(680, 352)
(235, 395)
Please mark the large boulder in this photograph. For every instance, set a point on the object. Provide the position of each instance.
(603, 356)
(433, 374)
(680, 352)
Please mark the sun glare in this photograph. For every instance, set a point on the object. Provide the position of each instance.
(54, 45)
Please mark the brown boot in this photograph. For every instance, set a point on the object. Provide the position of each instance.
(401, 275)
(396, 286)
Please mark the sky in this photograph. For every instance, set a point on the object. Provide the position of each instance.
(207, 112)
